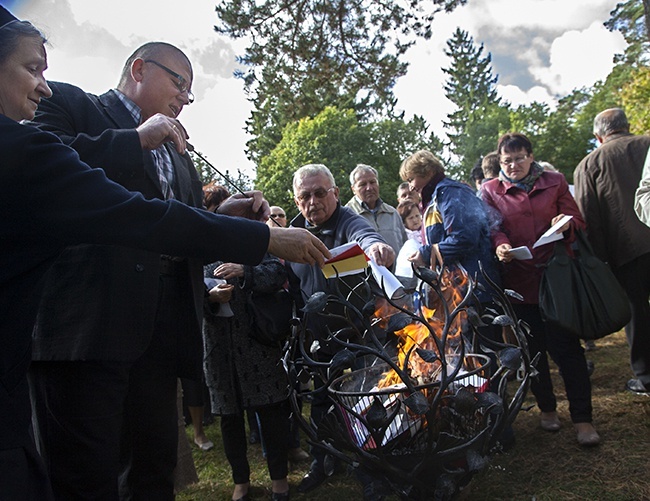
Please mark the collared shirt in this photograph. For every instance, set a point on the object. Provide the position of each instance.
(367, 207)
(160, 155)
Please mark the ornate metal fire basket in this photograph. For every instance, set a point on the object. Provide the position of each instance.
(421, 387)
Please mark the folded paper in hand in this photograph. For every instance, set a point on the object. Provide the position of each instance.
(551, 234)
(347, 259)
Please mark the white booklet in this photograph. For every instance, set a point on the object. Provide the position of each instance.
(550, 235)
(521, 253)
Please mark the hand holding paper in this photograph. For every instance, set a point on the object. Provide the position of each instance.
(346, 259)
(551, 235)
(521, 253)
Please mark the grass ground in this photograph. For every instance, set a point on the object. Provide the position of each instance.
(542, 466)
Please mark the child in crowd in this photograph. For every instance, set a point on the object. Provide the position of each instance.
(412, 220)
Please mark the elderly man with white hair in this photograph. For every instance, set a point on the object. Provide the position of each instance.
(364, 182)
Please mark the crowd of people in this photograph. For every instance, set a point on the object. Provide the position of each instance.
(106, 299)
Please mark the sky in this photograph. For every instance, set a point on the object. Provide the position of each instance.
(541, 50)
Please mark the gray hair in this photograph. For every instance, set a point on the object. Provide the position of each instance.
(12, 34)
(610, 121)
(311, 170)
(150, 50)
(359, 169)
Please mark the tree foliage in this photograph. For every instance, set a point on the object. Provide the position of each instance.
(480, 117)
(635, 97)
(339, 140)
(305, 55)
(632, 19)
(628, 82)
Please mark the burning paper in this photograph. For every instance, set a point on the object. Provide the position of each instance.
(403, 422)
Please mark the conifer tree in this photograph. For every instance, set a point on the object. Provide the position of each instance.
(480, 117)
(305, 55)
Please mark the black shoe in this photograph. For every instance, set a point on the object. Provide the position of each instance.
(280, 496)
(311, 480)
(636, 386)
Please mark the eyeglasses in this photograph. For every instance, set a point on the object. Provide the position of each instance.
(181, 84)
(281, 216)
(319, 193)
(510, 161)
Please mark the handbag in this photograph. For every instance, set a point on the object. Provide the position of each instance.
(271, 316)
(581, 294)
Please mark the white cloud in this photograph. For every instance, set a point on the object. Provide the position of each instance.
(517, 97)
(580, 58)
(523, 40)
(556, 14)
(88, 47)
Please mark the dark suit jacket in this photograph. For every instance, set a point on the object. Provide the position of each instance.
(50, 199)
(99, 302)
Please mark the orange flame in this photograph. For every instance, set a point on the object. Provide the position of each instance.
(417, 335)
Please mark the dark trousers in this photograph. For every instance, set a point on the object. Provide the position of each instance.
(80, 436)
(111, 428)
(274, 429)
(23, 475)
(567, 352)
(634, 277)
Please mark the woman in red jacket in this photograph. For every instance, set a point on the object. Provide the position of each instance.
(530, 201)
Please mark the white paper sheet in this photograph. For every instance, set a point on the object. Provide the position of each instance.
(551, 234)
(392, 286)
(402, 264)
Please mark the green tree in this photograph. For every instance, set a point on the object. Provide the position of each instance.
(635, 97)
(339, 140)
(627, 85)
(308, 54)
(632, 19)
(561, 136)
(480, 116)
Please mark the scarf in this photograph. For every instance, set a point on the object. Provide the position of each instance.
(427, 191)
(527, 182)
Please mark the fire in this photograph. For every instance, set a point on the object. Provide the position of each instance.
(417, 335)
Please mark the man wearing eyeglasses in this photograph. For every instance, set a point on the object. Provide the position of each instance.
(117, 326)
(277, 217)
(317, 197)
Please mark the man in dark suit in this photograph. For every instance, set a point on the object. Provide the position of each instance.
(116, 325)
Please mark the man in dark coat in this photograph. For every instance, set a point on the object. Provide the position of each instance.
(51, 199)
(605, 183)
(117, 326)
